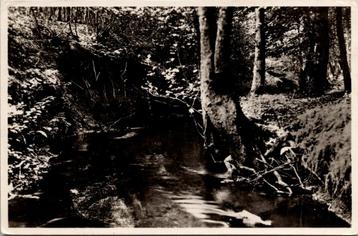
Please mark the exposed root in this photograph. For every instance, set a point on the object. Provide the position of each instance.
(276, 168)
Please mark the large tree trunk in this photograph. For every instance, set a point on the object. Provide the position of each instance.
(221, 113)
(343, 52)
(258, 80)
(313, 79)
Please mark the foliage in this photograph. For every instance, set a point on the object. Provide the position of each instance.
(165, 40)
(47, 102)
(39, 112)
(32, 123)
(286, 40)
(27, 168)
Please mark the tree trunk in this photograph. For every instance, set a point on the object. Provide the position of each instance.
(343, 52)
(313, 78)
(221, 113)
(258, 80)
(64, 15)
(68, 13)
(59, 18)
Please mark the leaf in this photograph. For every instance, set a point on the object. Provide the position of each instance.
(47, 128)
(74, 191)
(284, 149)
(292, 144)
(42, 133)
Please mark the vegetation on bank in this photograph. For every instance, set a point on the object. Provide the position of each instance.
(79, 69)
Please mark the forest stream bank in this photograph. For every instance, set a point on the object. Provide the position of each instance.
(103, 137)
(105, 179)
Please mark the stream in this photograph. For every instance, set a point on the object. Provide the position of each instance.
(153, 177)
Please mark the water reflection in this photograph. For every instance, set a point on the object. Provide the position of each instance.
(158, 178)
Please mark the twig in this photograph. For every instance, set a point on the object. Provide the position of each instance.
(312, 172)
(195, 97)
(264, 180)
(120, 119)
(298, 177)
(295, 171)
(96, 76)
(248, 168)
(77, 85)
(278, 176)
(272, 186)
(199, 128)
(113, 89)
(270, 171)
(123, 79)
(176, 99)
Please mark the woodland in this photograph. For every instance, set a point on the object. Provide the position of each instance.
(264, 94)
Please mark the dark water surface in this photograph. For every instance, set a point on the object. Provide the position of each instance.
(153, 178)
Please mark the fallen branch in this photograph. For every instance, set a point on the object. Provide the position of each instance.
(297, 176)
(295, 171)
(277, 175)
(272, 186)
(121, 119)
(270, 171)
(264, 180)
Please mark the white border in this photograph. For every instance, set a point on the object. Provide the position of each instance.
(353, 230)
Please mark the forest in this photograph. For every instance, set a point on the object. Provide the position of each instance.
(179, 116)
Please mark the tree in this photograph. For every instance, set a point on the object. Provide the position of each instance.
(222, 115)
(313, 79)
(258, 80)
(343, 51)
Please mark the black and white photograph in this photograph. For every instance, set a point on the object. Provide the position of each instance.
(177, 117)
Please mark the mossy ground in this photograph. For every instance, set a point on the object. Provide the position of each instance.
(321, 129)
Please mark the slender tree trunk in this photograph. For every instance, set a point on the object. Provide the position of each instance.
(68, 13)
(59, 17)
(196, 28)
(64, 15)
(303, 49)
(51, 13)
(343, 51)
(221, 113)
(258, 80)
(324, 47)
(313, 79)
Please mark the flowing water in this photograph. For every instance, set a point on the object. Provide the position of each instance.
(153, 178)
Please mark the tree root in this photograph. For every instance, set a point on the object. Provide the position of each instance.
(275, 168)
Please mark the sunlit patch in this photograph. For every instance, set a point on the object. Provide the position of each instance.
(196, 205)
(199, 172)
(206, 209)
(126, 136)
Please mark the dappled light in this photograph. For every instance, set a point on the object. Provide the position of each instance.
(179, 117)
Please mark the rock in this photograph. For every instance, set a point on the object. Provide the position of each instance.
(110, 210)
